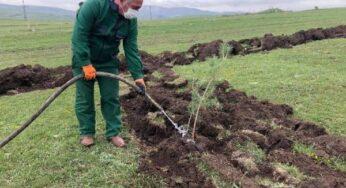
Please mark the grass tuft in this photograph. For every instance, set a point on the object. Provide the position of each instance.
(214, 176)
(304, 149)
(292, 171)
(253, 150)
(270, 183)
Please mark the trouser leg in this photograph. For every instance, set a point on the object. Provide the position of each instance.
(84, 105)
(110, 103)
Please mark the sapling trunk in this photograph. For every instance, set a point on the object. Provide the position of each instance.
(198, 109)
(188, 124)
(192, 109)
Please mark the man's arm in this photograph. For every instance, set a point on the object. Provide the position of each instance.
(133, 59)
(81, 33)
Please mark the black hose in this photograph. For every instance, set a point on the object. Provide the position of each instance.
(57, 93)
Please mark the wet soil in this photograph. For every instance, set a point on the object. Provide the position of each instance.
(239, 119)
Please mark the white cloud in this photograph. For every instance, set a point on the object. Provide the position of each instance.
(215, 5)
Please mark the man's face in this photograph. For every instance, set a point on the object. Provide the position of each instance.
(125, 5)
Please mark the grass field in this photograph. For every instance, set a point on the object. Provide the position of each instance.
(310, 77)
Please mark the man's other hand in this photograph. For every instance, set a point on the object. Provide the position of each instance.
(89, 72)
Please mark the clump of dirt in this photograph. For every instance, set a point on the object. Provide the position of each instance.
(236, 48)
(232, 173)
(270, 42)
(297, 38)
(168, 59)
(335, 32)
(204, 50)
(329, 144)
(25, 78)
(178, 170)
(251, 43)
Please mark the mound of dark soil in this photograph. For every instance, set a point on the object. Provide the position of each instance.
(203, 51)
(166, 59)
(25, 78)
(266, 43)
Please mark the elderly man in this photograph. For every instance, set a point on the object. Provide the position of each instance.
(99, 28)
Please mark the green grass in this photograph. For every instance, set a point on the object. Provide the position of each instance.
(158, 74)
(302, 148)
(48, 154)
(338, 163)
(310, 77)
(292, 171)
(253, 150)
(270, 183)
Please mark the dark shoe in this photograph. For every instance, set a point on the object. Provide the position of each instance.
(87, 141)
(117, 141)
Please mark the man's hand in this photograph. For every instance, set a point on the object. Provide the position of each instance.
(140, 83)
(89, 72)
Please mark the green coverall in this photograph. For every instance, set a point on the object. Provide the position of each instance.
(98, 31)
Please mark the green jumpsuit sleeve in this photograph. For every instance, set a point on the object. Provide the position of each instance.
(133, 59)
(81, 33)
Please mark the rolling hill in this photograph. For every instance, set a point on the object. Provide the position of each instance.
(35, 13)
(164, 13)
(51, 13)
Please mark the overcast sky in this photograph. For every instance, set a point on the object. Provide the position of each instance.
(213, 5)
